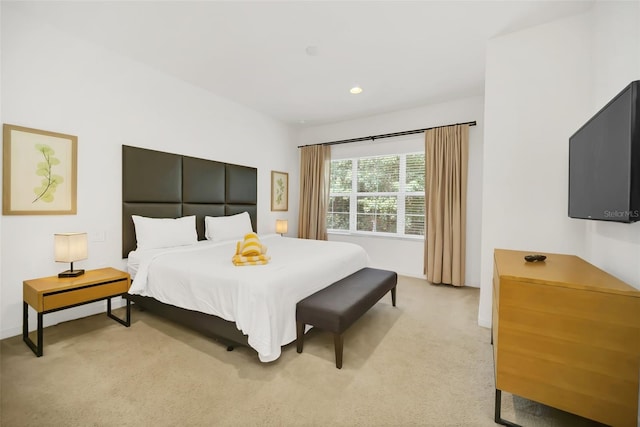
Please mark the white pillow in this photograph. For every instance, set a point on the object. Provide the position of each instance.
(232, 227)
(152, 233)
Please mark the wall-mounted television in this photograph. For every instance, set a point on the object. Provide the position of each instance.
(604, 162)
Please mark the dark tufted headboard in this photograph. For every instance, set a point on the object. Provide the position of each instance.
(164, 185)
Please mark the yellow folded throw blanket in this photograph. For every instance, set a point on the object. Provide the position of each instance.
(250, 251)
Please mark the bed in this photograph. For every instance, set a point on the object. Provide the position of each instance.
(196, 284)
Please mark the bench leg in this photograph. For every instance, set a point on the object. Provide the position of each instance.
(393, 296)
(299, 336)
(338, 341)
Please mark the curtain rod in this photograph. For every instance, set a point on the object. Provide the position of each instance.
(386, 135)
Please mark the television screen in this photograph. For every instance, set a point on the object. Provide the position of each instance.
(604, 162)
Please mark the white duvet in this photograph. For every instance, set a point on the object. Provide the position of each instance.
(260, 299)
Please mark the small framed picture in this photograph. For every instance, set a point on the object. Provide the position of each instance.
(39, 172)
(279, 191)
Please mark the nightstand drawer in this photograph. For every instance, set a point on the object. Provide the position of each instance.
(82, 295)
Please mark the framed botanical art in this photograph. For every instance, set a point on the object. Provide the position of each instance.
(39, 172)
(279, 191)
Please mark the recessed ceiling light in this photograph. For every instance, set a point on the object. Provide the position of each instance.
(355, 90)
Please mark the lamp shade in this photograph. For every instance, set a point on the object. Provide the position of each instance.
(282, 225)
(70, 247)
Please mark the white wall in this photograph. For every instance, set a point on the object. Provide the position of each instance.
(55, 82)
(1, 121)
(542, 84)
(616, 59)
(401, 255)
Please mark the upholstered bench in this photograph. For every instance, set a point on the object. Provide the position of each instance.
(339, 305)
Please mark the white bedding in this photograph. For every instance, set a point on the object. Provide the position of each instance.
(260, 299)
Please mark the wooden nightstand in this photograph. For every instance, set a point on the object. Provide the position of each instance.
(50, 294)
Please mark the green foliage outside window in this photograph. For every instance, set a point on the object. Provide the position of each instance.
(415, 172)
(379, 174)
(377, 214)
(375, 191)
(340, 182)
(414, 222)
(414, 215)
(338, 214)
(340, 176)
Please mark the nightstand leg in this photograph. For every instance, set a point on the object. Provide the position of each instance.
(128, 312)
(25, 331)
(40, 335)
(127, 321)
(498, 417)
(25, 320)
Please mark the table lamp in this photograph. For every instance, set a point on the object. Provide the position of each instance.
(70, 247)
(282, 226)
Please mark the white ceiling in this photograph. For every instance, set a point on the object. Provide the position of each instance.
(403, 54)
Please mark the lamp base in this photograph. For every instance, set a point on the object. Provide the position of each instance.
(71, 273)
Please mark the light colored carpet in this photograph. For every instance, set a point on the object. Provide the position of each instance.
(424, 363)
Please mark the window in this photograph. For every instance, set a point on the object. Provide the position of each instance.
(382, 194)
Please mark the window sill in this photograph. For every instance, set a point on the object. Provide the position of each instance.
(375, 236)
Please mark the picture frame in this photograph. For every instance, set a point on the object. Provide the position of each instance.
(39, 172)
(279, 191)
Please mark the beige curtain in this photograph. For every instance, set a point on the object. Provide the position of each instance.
(446, 158)
(315, 164)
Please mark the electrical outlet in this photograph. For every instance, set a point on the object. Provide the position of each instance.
(98, 236)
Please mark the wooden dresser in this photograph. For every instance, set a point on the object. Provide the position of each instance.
(566, 334)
